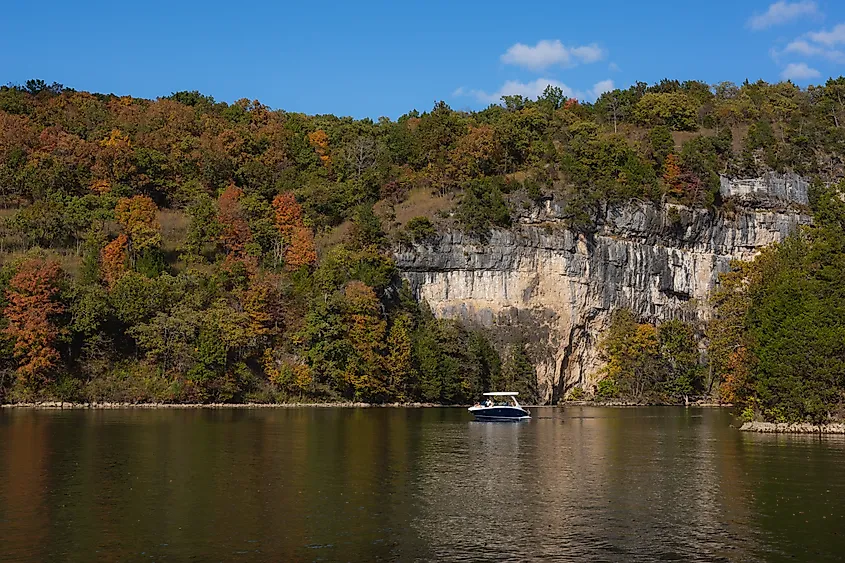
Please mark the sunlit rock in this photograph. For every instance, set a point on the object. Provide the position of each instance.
(556, 288)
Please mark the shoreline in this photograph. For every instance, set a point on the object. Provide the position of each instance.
(108, 405)
(60, 405)
(793, 428)
(702, 404)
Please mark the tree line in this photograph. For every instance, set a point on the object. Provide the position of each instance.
(105, 295)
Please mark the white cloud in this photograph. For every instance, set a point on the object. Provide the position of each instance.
(549, 53)
(782, 12)
(529, 90)
(801, 47)
(613, 67)
(534, 89)
(588, 53)
(601, 87)
(806, 49)
(799, 72)
(829, 38)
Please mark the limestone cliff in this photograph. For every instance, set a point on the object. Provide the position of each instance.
(556, 288)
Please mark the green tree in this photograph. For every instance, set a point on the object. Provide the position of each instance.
(679, 352)
(203, 228)
(517, 374)
(675, 110)
(482, 207)
(662, 144)
(420, 229)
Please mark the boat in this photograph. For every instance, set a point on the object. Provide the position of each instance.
(491, 410)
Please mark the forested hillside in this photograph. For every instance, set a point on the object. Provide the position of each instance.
(182, 249)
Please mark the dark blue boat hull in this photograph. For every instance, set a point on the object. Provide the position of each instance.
(500, 413)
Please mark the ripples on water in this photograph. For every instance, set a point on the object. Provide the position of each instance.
(586, 484)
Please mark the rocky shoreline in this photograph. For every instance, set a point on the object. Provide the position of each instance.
(64, 405)
(592, 403)
(793, 428)
(59, 405)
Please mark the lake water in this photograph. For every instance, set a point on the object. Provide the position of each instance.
(325, 484)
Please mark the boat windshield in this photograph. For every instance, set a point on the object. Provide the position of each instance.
(500, 399)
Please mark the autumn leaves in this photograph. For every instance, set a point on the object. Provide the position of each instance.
(298, 239)
(33, 306)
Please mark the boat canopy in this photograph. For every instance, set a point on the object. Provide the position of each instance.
(501, 394)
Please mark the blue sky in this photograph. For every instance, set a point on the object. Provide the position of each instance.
(368, 59)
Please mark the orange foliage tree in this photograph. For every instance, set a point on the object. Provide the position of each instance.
(737, 376)
(101, 187)
(301, 251)
(298, 240)
(32, 296)
(672, 175)
(113, 259)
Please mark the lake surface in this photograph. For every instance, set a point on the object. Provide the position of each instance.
(325, 484)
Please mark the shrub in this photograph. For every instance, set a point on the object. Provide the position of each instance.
(420, 229)
(483, 206)
(607, 389)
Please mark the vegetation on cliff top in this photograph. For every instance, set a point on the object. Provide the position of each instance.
(775, 344)
(182, 249)
(778, 337)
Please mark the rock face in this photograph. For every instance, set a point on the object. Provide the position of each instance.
(769, 190)
(556, 289)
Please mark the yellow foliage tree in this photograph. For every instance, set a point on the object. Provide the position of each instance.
(399, 365)
(138, 217)
(366, 332)
(320, 141)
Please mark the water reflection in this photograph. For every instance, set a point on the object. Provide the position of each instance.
(427, 484)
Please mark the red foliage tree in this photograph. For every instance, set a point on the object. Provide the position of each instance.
(33, 304)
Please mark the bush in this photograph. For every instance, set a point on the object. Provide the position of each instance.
(134, 384)
(420, 229)
(575, 394)
(748, 414)
(483, 206)
(607, 389)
